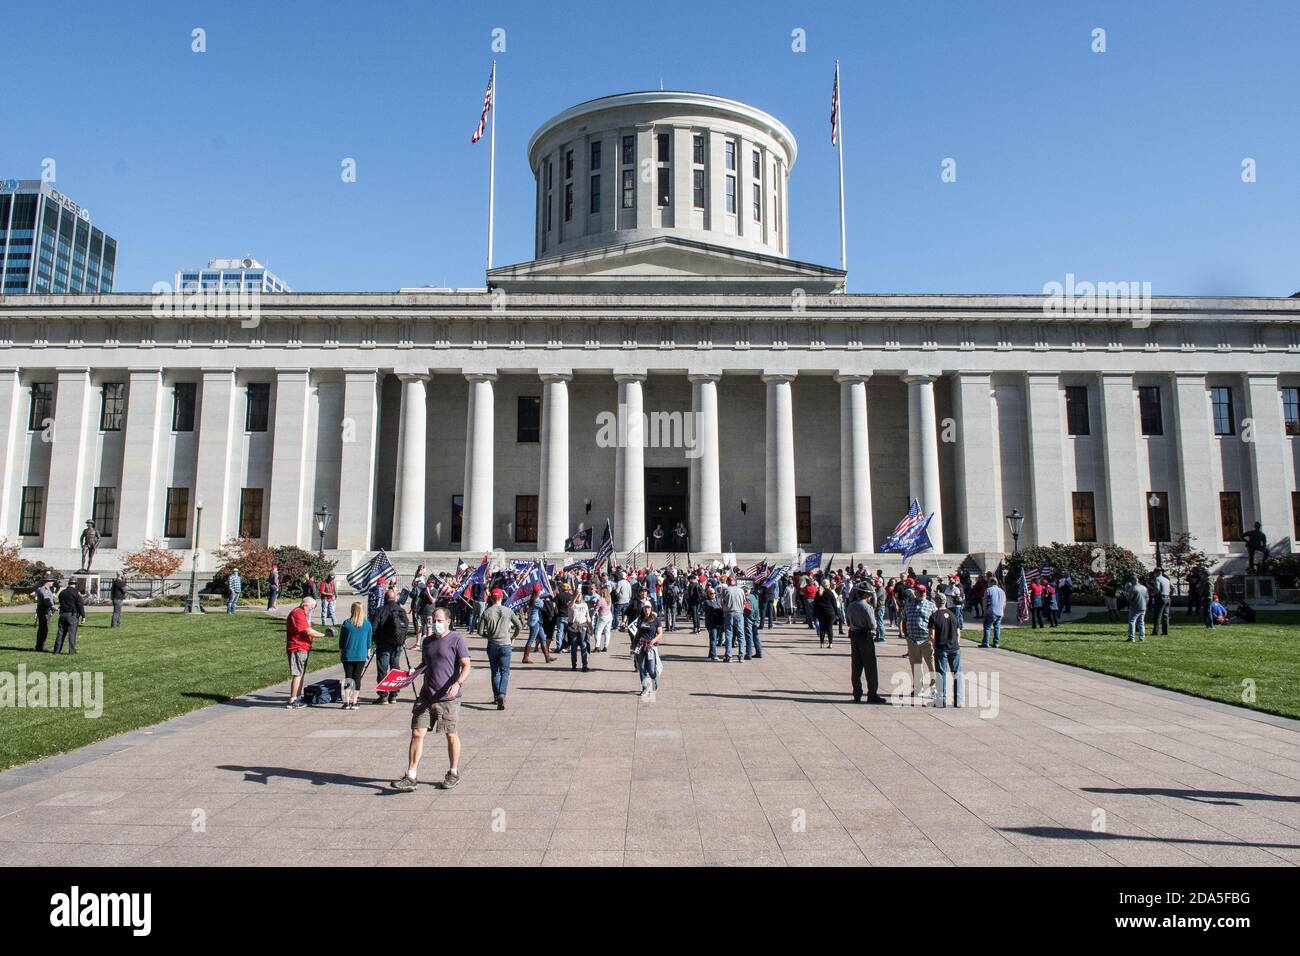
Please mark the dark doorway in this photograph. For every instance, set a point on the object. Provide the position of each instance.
(665, 507)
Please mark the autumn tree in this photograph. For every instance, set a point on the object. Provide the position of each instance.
(154, 562)
(14, 568)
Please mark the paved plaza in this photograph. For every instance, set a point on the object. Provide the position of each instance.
(765, 762)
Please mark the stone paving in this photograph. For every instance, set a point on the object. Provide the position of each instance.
(765, 762)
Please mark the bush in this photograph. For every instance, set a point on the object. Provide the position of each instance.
(33, 575)
(296, 563)
(253, 560)
(1286, 569)
(154, 562)
(1081, 562)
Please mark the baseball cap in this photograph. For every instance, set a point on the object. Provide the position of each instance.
(498, 594)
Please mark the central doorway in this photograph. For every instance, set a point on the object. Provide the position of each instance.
(665, 508)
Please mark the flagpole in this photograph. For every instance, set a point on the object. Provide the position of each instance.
(492, 168)
(844, 254)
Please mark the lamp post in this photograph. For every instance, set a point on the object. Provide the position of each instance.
(1014, 521)
(323, 517)
(1157, 532)
(196, 606)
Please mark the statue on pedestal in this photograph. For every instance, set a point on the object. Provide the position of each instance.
(1256, 543)
(90, 544)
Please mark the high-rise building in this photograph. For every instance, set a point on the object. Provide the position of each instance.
(47, 244)
(230, 275)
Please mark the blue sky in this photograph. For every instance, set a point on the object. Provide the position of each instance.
(1122, 165)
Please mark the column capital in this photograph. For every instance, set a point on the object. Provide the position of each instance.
(697, 376)
(852, 378)
(73, 370)
(475, 377)
(412, 375)
(1189, 375)
(920, 378)
(1115, 373)
(1266, 376)
(1053, 374)
(973, 373)
(629, 377)
(556, 375)
(135, 370)
(360, 372)
(779, 376)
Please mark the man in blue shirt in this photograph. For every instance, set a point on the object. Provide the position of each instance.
(995, 605)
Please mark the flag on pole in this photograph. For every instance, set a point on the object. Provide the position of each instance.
(606, 550)
(579, 541)
(488, 96)
(523, 590)
(905, 528)
(835, 108)
(477, 576)
(774, 576)
(1022, 601)
(812, 562)
(756, 571)
(918, 540)
(364, 577)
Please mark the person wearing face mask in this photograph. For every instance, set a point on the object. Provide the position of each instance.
(445, 663)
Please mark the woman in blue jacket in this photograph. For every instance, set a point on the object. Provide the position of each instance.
(354, 650)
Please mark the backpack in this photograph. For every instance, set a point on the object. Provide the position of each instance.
(325, 692)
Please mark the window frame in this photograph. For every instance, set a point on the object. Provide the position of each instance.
(45, 401)
(179, 407)
(803, 519)
(31, 511)
(246, 512)
(1083, 512)
(176, 507)
(1227, 407)
(524, 424)
(525, 519)
(1290, 410)
(1074, 407)
(1230, 506)
(1151, 414)
(262, 406)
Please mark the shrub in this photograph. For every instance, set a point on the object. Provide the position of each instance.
(1082, 562)
(153, 562)
(252, 558)
(14, 568)
(296, 563)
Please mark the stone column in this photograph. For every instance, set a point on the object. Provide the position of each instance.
(979, 521)
(412, 451)
(779, 506)
(1268, 451)
(629, 465)
(1049, 515)
(288, 522)
(855, 467)
(11, 446)
(71, 474)
(476, 521)
(216, 426)
(706, 499)
(553, 490)
(923, 451)
(1125, 490)
(1198, 507)
(360, 425)
(135, 509)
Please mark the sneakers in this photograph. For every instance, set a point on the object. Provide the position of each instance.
(405, 785)
(296, 704)
(450, 780)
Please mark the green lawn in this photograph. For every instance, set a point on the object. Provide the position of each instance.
(1210, 664)
(156, 666)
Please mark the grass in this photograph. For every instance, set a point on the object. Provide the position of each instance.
(156, 666)
(1210, 664)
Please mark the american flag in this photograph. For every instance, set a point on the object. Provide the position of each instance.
(606, 550)
(488, 96)
(364, 577)
(835, 108)
(905, 528)
(1022, 602)
(757, 570)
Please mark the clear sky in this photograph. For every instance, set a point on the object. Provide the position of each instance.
(1122, 165)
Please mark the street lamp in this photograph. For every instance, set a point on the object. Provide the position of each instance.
(1014, 521)
(323, 517)
(1157, 532)
(196, 606)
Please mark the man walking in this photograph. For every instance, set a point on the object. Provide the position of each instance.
(45, 604)
(500, 626)
(72, 610)
(298, 637)
(995, 605)
(117, 594)
(390, 626)
(920, 652)
(445, 657)
(234, 586)
(1136, 594)
(863, 625)
(946, 633)
(1161, 597)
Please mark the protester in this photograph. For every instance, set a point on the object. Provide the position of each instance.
(946, 634)
(298, 637)
(273, 587)
(715, 622)
(355, 649)
(995, 605)
(117, 595)
(916, 630)
(732, 600)
(390, 625)
(536, 629)
(823, 607)
(1136, 596)
(648, 634)
(1161, 598)
(604, 616)
(234, 587)
(328, 595)
(500, 626)
(579, 630)
(446, 660)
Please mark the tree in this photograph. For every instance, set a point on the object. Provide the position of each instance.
(14, 568)
(249, 556)
(296, 563)
(1181, 559)
(155, 562)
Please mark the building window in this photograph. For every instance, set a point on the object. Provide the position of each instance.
(729, 154)
(103, 510)
(112, 407)
(457, 513)
(758, 165)
(731, 194)
(1076, 410)
(697, 189)
(665, 147)
(629, 189)
(528, 427)
(1221, 406)
(803, 518)
(1153, 422)
(1230, 515)
(665, 186)
(526, 519)
(629, 150)
(250, 513)
(595, 156)
(758, 203)
(183, 402)
(1085, 517)
(594, 195)
(257, 416)
(1295, 515)
(33, 509)
(177, 520)
(568, 164)
(1158, 516)
(697, 149)
(1291, 410)
(568, 202)
(550, 181)
(42, 410)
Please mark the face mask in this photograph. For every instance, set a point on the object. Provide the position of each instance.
(439, 627)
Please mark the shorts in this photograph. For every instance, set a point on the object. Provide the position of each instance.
(352, 672)
(440, 716)
(297, 663)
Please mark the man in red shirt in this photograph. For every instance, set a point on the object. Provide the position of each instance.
(298, 637)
